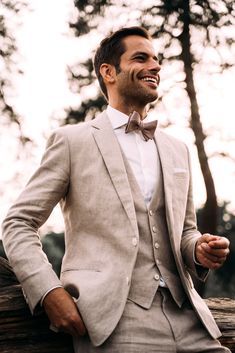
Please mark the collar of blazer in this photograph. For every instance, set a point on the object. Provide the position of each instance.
(112, 156)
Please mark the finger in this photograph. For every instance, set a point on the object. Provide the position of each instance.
(73, 326)
(70, 330)
(222, 243)
(80, 328)
(77, 325)
(211, 258)
(209, 237)
(210, 264)
(218, 252)
(216, 259)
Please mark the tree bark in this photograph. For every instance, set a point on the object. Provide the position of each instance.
(223, 310)
(209, 214)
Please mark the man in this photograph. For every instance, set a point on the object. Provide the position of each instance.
(130, 232)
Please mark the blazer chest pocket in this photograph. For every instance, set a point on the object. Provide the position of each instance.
(180, 173)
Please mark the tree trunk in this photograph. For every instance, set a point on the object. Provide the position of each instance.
(209, 215)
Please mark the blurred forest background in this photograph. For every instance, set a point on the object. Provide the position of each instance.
(195, 42)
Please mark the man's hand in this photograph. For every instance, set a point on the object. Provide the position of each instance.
(211, 251)
(63, 312)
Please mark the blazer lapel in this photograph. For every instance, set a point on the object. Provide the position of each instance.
(112, 156)
(166, 159)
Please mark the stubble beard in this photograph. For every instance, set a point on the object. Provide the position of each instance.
(136, 95)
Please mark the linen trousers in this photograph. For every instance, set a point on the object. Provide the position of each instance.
(164, 328)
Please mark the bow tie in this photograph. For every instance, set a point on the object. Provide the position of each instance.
(135, 123)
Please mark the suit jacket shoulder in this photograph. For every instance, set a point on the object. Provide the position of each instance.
(78, 133)
(173, 141)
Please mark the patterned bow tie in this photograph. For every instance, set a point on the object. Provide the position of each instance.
(135, 123)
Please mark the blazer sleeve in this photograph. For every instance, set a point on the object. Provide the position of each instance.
(32, 208)
(191, 234)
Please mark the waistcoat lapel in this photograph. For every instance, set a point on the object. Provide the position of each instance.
(165, 155)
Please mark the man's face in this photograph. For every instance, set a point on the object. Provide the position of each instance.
(138, 78)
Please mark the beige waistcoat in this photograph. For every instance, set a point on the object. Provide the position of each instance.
(155, 258)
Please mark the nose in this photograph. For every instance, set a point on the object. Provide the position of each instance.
(154, 66)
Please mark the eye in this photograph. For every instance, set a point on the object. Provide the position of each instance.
(140, 58)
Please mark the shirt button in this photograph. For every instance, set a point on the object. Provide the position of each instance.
(134, 241)
(156, 277)
(154, 229)
(150, 212)
(128, 281)
(156, 245)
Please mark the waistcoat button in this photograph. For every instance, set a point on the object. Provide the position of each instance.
(154, 229)
(156, 245)
(150, 212)
(156, 277)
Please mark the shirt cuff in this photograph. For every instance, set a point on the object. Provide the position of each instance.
(49, 290)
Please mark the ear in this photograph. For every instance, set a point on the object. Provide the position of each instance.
(108, 73)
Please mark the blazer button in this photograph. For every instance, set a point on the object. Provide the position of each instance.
(134, 241)
(156, 277)
(156, 245)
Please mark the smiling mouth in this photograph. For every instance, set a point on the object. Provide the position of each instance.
(152, 80)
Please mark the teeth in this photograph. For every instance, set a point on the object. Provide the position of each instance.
(149, 79)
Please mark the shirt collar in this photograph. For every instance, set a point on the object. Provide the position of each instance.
(116, 117)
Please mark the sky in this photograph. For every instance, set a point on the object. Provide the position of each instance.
(46, 49)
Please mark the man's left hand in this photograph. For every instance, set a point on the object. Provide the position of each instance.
(211, 251)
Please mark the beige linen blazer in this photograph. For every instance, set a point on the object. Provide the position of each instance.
(83, 169)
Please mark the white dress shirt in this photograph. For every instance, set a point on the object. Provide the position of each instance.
(142, 155)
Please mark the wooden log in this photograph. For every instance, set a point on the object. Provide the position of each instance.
(223, 310)
(22, 332)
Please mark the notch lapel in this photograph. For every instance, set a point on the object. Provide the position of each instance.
(111, 152)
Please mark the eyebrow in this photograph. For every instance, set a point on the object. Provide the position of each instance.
(144, 54)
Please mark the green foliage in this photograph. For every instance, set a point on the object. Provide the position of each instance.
(221, 282)
(2, 251)
(54, 246)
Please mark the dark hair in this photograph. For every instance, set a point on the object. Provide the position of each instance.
(111, 48)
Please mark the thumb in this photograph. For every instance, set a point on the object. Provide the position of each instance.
(207, 237)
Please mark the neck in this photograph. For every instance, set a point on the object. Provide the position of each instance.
(129, 108)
